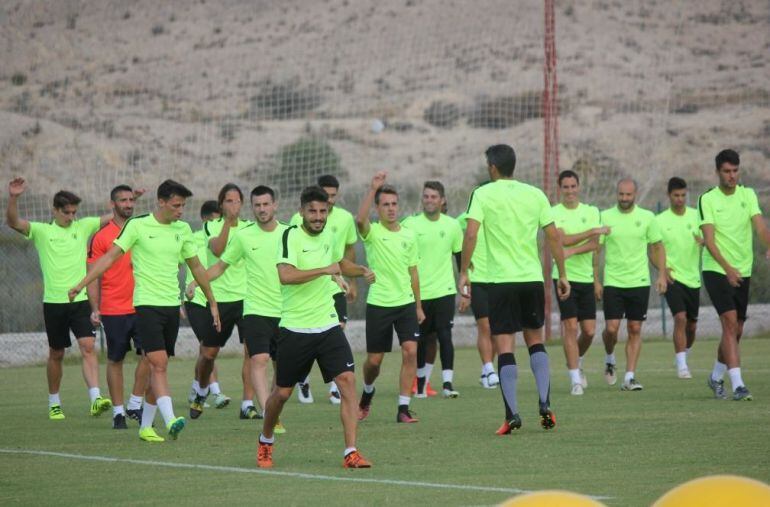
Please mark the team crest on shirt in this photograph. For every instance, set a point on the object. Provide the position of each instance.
(74, 235)
(441, 234)
(177, 237)
(584, 220)
(403, 245)
(326, 248)
(334, 228)
(743, 204)
(638, 223)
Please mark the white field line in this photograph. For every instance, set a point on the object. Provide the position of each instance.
(277, 473)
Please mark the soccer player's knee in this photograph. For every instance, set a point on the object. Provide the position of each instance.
(409, 351)
(345, 379)
(570, 325)
(259, 360)
(56, 354)
(680, 319)
(634, 327)
(86, 346)
(282, 394)
(209, 353)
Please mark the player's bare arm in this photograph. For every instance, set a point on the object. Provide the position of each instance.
(362, 218)
(557, 252)
(199, 273)
(16, 187)
(734, 277)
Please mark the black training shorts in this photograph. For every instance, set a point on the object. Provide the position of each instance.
(61, 318)
(157, 327)
(480, 300)
(514, 306)
(581, 303)
(297, 351)
(724, 296)
(439, 314)
(119, 331)
(230, 314)
(681, 298)
(382, 320)
(260, 334)
(630, 303)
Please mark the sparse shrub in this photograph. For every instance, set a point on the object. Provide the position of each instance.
(299, 164)
(284, 101)
(506, 111)
(442, 114)
(18, 79)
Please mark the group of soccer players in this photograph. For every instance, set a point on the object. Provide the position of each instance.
(286, 288)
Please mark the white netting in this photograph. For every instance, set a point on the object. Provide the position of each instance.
(97, 93)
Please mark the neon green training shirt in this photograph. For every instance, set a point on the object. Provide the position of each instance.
(511, 213)
(390, 255)
(682, 250)
(308, 305)
(257, 249)
(436, 242)
(478, 272)
(625, 258)
(574, 221)
(155, 252)
(62, 253)
(731, 217)
(342, 224)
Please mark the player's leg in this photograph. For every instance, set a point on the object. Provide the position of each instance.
(379, 340)
(633, 350)
(58, 333)
(480, 308)
(200, 321)
(258, 364)
(427, 348)
(741, 298)
(54, 375)
(721, 294)
(613, 313)
(79, 322)
(530, 299)
(118, 330)
(445, 311)
(569, 338)
(341, 307)
(503, 325)
(586, 315)
(139, 389)
(408, 332)
(676, 298)
(204, 367)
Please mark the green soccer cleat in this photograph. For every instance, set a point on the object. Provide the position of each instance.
(100, 406)
(55, 413)
(175, 427)
(279, 429)
(196, 407)
(149, 435)
(221, 400)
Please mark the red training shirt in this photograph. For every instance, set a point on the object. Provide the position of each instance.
(117, 294)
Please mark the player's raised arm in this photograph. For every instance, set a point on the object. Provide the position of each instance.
(16, 187)
(362, 218)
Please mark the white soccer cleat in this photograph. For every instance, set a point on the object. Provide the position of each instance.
(577, 390)
(493, 380)
(684, 373)
(484, 381)
(583, 379)
(334, 397)
(303, 393)
(631, 385)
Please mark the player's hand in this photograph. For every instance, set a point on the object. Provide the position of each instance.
(232, 211)
(333, 269)
(369, 275)
(215, 317)
(661, 284)
(563, 289)
(734, 278)
(16, 187)
(462, 307)
(420, 315)
(598, 231)
(464, 285)
(568, 252)
(139, 192)
(96, 318)
(341, 283)
(352, 293)
(189, 291)
(598, 291)
(669, 276)
(698, 239)
(379, 179)
(73, 293)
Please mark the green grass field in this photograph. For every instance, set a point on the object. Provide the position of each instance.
(628, 447)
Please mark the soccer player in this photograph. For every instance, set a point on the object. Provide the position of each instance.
(479, 302)
(309, 327)
(255, 245)
(157, 241)
(111, 298)
(229, 291)
(727, 214)
(512, 213)
(340, 221)
(62, 245)
(438, 238)
(679, 228)
(626, 290)
(394, 301)
(580, 228)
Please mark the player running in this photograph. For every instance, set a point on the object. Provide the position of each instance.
(626, 290)
(111, 299)
(229, 291)
(479, 302)
(157, 241)
(727, 214)
(512, 213)
(394, 301)
(309, 327)
(679, 228)
(438, 237)
(340, 221)
(579, 227)
(61, 246)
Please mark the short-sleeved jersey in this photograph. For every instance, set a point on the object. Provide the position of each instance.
(62, 252)
(390, 254)
(231, 286)
(682, 249)
(625, 258)
(201, 249)
(342, 224)
(478, 272)
(155, 252)
(308, 305)
(574, 221)
(511, 213)
(257, 249)
(117, 283)
(731, 217)
(437, 240)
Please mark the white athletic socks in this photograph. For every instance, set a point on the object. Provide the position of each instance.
(214, 388)
(681, 360)
(246, 404)
(628, 377)
(428, 370)
(735, 378)
(134, 402)
(403, 400)
(53, 399)
(368, 388)
(204, 391)
(719, 371)
(148, 415)
(447, 375)
(487, 368)
(93, 393)
(348, 450)
(166, 409)
(264, 440)
(574, 376)
(609, 358)
(118, 409)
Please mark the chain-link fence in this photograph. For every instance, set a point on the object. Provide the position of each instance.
(99, 93)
